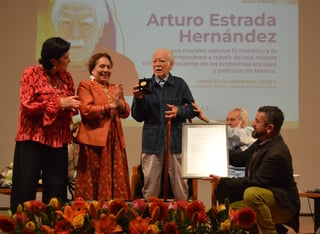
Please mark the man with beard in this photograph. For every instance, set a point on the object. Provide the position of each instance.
(268, 186)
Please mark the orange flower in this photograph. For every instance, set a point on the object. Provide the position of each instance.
(94, 208)
(79, 206)
(139, 225)
(7, 224)
(67, 213)
(106, 224)
(45, 229)
(158, 206)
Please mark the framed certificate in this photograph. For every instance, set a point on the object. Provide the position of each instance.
(204, 150)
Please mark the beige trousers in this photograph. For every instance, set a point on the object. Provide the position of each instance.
(152, 166)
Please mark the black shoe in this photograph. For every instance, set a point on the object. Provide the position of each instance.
(281, 229)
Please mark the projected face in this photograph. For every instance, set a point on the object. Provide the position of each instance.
(233, 119)
(77, 22)
(161, 64)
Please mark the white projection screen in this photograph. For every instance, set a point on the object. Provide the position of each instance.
(204, 150)
(232, 53)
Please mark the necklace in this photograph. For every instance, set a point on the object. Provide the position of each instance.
(108, 94)
(57, 85)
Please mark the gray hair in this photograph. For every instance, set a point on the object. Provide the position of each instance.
(99, 6)
(243, 114)
(168, 52)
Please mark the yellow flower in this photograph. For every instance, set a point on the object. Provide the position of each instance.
(54, 203)
(78, 221)
(31, 225)
(225, 226)
(221, 207)
(154, 229)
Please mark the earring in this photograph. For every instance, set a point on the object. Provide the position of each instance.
(91, 77)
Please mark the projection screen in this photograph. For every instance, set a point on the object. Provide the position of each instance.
(232, 53)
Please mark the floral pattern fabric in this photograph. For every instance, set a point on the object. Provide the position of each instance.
(103, 171)
(40, 118)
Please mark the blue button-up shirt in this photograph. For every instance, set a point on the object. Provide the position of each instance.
(151, 110)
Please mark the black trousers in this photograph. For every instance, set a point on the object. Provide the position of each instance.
(32, 161)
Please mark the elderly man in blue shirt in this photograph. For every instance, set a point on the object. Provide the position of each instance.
(172, 99)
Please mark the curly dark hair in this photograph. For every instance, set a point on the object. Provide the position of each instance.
(52, 48)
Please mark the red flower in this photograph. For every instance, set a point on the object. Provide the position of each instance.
(170, 228)
(34, 206)
(7, 224)
(245, 217)
(27, 231)
(139, 205)
(117, 205)
(63, 227)
(195, 206)
(181, 204)
(159, 206)
(20, 217)
(202, 217)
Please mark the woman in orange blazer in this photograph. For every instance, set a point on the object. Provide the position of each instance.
(102, 171)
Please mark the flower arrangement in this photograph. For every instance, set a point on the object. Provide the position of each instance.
(117, 216)
(6, 176)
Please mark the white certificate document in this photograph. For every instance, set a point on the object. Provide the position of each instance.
(204, 150)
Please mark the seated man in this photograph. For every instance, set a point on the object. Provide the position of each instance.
(269, 186)
(239, 136)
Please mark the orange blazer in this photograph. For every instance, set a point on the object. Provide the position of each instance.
(94, 124)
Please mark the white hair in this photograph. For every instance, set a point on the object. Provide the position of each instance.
(99, 6)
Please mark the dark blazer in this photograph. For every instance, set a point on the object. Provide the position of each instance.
(269, 165)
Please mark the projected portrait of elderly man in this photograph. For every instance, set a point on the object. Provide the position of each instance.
(89, 27)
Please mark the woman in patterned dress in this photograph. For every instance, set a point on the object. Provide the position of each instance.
(102, 171)
(47, 104)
